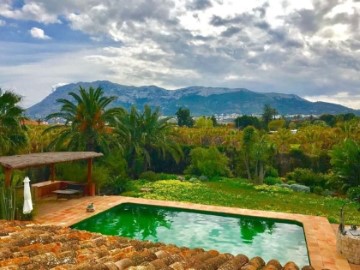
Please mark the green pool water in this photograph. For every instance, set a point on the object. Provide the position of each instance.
(252, 236)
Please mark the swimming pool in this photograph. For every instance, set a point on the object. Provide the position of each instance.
(252, 236)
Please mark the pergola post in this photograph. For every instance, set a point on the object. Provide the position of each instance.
(91, 186)
(8, 172)
(52, 172)
(50, 159)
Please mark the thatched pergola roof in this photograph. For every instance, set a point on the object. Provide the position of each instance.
(10, 163)
(39, 159)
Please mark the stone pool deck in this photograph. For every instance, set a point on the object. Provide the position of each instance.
(319, 233)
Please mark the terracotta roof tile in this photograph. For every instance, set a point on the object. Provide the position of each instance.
(30, 246)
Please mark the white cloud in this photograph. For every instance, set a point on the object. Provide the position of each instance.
(2, 23)
(35, 80)
(38, 33)
(307, 47)
(30, 11)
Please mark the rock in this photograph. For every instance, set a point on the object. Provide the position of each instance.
(300, 188)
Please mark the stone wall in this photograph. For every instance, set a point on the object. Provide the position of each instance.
(349, 246)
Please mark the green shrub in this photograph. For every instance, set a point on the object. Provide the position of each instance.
(7, 203)
(272, 181)
(116, 164)
(271, 171)
(332, 219)
(203, 122)
(307, 177)
(166, 176)
(215, 178)
(148, 175)
(272, 189)
(291, 182)
(335, 183)
(276, 124)
(354, 193)
(188, 177)
(72, 171)
(318, 190)
(345, 159)
(298, 158)
(328, 192)
(77, 172)
(114, 186)
(11, 198)
(100, 176)
(209, 162)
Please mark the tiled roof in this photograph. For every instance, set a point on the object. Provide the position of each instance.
(25, 245)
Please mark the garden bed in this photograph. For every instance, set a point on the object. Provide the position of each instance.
(240, 193)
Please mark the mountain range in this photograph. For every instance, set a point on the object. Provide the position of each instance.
(200, 100)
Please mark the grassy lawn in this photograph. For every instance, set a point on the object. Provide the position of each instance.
(239, 193)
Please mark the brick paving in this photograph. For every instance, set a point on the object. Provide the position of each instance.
(320, 236)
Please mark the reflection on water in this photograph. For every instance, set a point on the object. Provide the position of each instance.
(227, 233)
(249, 228)
(132, 222)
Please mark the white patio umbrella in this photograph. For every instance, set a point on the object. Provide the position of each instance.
(28, 205)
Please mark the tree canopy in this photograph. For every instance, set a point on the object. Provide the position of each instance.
(143, 132)
(345, 158)
(184, 118)
(204, 122)
(12, 131)
(87, 119)
(246, 120)
(268, 114)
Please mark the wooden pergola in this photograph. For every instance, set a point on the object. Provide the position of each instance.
(9, 163)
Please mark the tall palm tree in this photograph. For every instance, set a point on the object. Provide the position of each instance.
(12, 131)
(87, 121)
(145, 132)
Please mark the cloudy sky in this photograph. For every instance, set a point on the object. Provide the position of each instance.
(310, 47)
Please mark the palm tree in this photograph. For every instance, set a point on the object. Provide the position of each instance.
(12, 132)
(87, 121)
(345, 159)
(143, 133)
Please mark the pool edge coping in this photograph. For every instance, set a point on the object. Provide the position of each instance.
(208, 212)
(321, 245)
